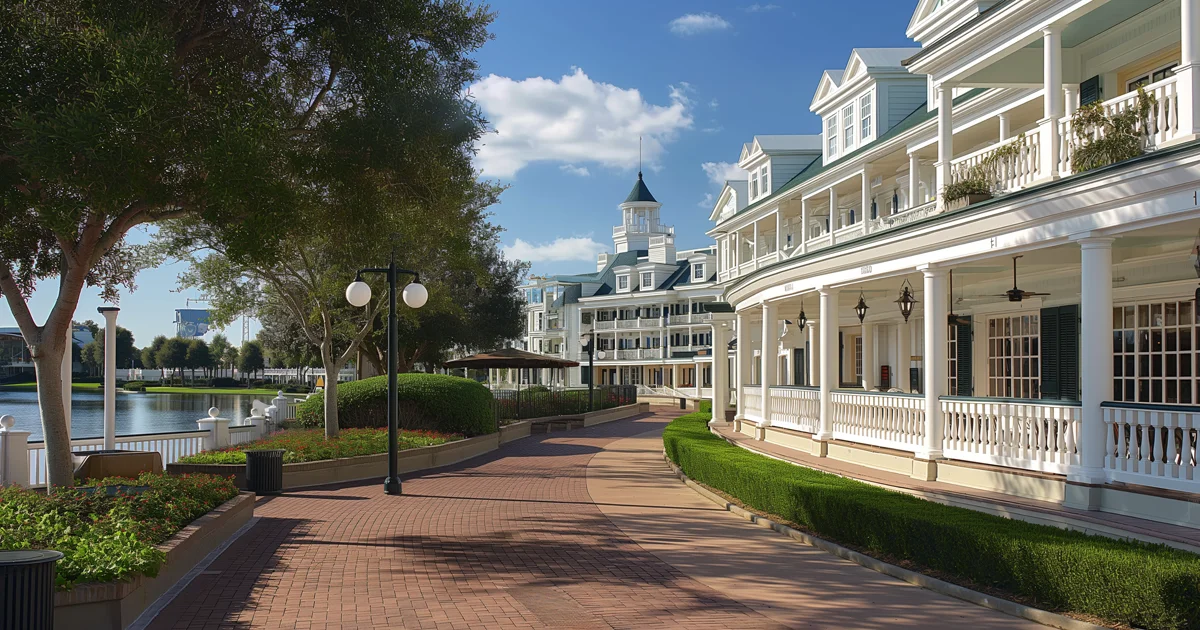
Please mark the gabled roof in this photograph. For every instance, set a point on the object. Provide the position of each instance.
(862, 60)
(640, 194)
(739, 189)
(780, 144)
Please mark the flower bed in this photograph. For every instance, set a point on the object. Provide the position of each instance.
(311, 445)
(1131, 583)
(108, 538)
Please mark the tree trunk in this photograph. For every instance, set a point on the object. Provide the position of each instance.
(331, 411)
(47, 364)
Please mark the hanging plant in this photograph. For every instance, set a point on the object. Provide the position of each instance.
(983, 178)
(1102, 138)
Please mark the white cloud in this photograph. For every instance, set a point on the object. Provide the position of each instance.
(708, 201)
(573, 120)
(560, 249)
(718, 172)
(714, 129)
(713, 103)
(697, 23)
(571, 169)
(760, 8)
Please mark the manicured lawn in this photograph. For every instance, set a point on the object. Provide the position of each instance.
(212, 390)
(1136, 584)
(310, 445)
(73, 385)
(107, 538)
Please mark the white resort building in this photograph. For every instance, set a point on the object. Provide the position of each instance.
(644, 304)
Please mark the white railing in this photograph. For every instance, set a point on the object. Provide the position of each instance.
(627, 354)
(888, 420)
(1162, 125)
(908, 215)
(678, 319)
(171, 446)
(796, 408)
(701, 318)
(627, 323)
(652, 353)
(605, 325)
(753, 403)
(1018, 168)
(1030, 435)
(242, 434)
(848, 232)
(746, 267)
(819, 242)
(1152, 446)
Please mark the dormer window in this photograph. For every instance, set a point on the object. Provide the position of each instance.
(753, 185)
(698, 271)
(864, 114)
(647, 281)
(831, 134)
(848, 126)
(762, 178)
(622, 283)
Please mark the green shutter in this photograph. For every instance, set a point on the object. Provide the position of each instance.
(962, 345)
(1089, 91)
(1060, 352)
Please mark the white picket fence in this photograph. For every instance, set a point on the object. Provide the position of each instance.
(171, 446)
(1025, 434)
(753, 402)
(1152, 445)
(888, 420)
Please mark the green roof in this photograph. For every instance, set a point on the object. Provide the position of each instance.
(640, 193)
(918, 116)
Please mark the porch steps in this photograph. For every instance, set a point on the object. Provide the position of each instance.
(1033, 511)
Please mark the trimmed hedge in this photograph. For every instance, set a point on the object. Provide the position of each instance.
(432, 402)
(1142, 585)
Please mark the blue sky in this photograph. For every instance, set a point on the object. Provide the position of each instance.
(569, 86)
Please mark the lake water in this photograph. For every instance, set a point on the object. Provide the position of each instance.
(136, 413)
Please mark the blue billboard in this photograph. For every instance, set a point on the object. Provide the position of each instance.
(191, 322)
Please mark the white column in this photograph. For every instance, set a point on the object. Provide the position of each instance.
(934, 361)
(868, 352)
(770, 358)
(1004, 126)
(1052, 98)
(834, 216)
(744, 354)
(720, 372)
(866, 196)
(829, 360)
(1070, 99)
(1095, 354)
(903, 355)
(914, 180)
(1188, 71)
(218, 430)
(65, 376)
(945, 99)
(755, 253)
(110, 375)
(14, 454)
(814, 354)
(803, 242)
(779, 242)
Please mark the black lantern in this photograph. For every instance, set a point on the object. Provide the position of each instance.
(802, 319)
(861, 307)
(907, 300)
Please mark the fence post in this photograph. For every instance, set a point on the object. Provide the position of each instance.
(14, 454)
(218, 430)
(260, 424)
(281, 407)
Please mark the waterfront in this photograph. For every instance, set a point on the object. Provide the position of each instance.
(136, 413)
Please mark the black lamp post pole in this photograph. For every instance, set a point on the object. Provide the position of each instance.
(591, 350)
(391, 485)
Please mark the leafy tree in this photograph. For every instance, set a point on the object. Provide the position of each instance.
(217, 348)
(250, 359)
(231, 357)
(198, 356)
(125, 349)
(173, 355)
(92, 357)
(150, 353)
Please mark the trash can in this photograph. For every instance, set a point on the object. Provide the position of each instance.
(27, 589)
(264, 471)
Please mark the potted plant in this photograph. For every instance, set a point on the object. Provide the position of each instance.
(1102, 138)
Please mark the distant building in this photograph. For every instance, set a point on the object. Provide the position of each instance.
(15, 361)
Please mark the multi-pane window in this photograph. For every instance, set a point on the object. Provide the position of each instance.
(762, 178)
(858, 359)
(864, 115)
(952, 361)
(1014, 356)
(698, 271)
(848, 126)
(753, 185)
(1154, 352)
(831, 134)
(622, 282)
(647, 281)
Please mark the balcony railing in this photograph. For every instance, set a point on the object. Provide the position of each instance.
(1153, 445)
(1162, 125)
(888, 420)
(627, 323)
(1017, 166)
(908, 215)
(1026, 434)
(605, 325)
(752, 406)
(796, 408)
(641, 228)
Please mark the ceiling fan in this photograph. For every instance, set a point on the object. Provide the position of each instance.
(1014, 294)
(955, 319)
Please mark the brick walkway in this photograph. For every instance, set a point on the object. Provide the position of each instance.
(513, 539)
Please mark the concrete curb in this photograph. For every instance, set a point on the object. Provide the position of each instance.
(1044, 617)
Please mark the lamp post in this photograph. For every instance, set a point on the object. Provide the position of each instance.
(358, 293)
(588, 341)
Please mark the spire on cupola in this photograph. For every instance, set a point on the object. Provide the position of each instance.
(640, 193)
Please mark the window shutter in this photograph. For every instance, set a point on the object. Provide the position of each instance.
(1050, 352)
(963, 357)
(1068, 352)
(1089, 91)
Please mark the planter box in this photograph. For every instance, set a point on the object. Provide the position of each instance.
(958, 204)
(115, 605)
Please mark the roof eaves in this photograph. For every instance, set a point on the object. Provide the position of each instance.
(983, 15)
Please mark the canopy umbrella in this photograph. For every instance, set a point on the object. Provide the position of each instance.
(510, 358)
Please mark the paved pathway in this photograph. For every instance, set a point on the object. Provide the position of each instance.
(532, 536)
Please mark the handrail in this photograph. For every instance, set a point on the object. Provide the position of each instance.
(871, 393)
(1112, 404)
(131, 435)
(807, 388)
(1014, 401)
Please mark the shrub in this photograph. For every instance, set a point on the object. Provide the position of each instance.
(1124, 133)
(296, 389)
(434, 402)
(310, 445)
(134, 386)
(107, 538)
(225, 381)
(1133, 583)
(87, 379)
(258, 383)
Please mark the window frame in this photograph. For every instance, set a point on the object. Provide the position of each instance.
(623, 282)
(831, 135)
(646, 286)
(763, 178)
(698, 267)
(848, 126)
(865, 115)
(1001, 380)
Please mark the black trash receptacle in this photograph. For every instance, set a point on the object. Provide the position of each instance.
(27, 589)
(264, 471)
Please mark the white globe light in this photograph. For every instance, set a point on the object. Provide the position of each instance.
(415, 295)
(358, 293)
(601, 355)
(584, 339)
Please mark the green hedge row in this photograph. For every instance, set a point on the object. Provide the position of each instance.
(1147, 586)
(432, 402)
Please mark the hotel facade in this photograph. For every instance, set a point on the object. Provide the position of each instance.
(983, 271)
